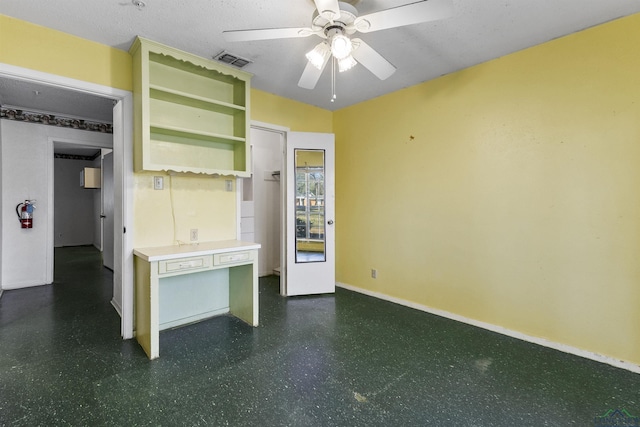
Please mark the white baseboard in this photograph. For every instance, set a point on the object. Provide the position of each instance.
(499, 329)
(115, 305)
(24, 284)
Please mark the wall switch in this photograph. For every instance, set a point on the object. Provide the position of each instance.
(158, 183)
(228, 185)
(194, 235)
(374, 273)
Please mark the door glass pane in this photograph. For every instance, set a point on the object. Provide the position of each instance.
(310, 222)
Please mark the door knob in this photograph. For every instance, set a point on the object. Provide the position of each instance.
(330, 222)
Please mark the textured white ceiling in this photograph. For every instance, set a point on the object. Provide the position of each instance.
(478, 31)
(54, 100)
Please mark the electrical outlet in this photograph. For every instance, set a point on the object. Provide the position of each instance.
(194, 234)
(228, 185)
(374, 273)
(158, 183)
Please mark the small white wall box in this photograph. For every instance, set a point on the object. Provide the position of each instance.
(90, 178)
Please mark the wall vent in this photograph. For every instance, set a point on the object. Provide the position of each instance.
(231, 59)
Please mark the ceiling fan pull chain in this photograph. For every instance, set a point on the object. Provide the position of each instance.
(333, 79)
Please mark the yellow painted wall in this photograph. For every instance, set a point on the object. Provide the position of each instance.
(507, 192)
(39, 48)
(163, 217)
(273, 109)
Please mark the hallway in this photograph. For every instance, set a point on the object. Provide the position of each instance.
(343, 360)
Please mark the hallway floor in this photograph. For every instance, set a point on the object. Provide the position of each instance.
(343, 360)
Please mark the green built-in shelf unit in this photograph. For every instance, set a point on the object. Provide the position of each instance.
(191, 113)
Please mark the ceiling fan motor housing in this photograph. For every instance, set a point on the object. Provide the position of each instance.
(348, 15)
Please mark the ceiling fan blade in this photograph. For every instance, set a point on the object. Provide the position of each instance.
(328, 9)
(311, 75)
(414, 13)
(372, 60)
(266, 34)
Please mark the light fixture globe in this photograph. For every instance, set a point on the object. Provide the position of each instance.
(346, 63)
(318, 56)
(341, 46)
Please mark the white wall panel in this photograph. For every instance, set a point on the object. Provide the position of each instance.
(73, 208)
(27, 163)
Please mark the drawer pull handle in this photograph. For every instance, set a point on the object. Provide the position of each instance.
(234, 258)
(190, 264)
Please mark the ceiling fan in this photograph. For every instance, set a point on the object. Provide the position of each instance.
(335, 21)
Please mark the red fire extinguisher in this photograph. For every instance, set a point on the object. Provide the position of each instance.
(25, 213)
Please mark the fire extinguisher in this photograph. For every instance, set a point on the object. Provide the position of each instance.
(25, 213)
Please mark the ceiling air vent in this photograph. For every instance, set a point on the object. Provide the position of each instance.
(231, 59)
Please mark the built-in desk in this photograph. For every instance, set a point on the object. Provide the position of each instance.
(178, 285)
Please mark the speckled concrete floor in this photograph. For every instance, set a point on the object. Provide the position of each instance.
(343, 360)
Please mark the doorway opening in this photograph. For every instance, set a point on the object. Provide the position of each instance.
(83, 198)
(260, 198)
(288, 205)
(121, 113)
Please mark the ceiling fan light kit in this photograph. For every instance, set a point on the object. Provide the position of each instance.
(340, 46)
(347, 63)
(335, 21)
(319, 55)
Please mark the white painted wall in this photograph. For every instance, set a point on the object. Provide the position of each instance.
(25, 168)
(27, 160)
(73, 206)
(267, 157)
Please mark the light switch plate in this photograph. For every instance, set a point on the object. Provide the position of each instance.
(158, 183)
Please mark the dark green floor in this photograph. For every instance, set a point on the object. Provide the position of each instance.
(343, 360)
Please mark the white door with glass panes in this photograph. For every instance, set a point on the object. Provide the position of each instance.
(310, 206)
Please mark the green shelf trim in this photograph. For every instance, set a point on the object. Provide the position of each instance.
(194, 64)
(190, 133)
(194, 100)
(205, 171)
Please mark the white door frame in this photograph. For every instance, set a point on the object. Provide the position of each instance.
(123, 175)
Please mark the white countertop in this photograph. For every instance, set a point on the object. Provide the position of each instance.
(163, 253)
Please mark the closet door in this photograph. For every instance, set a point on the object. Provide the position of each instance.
(310, 209)
(107, 211)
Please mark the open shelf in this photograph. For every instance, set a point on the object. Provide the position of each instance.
(172, 95)
(189, 134)
(185, 77)
(193, 113)
(197, 120)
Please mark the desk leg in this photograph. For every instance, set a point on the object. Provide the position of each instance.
(243, 292)
(146, 303)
